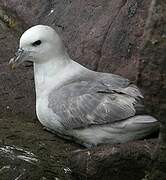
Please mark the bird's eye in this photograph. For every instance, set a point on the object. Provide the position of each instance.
(36, 43)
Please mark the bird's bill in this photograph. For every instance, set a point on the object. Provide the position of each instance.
(20, 56)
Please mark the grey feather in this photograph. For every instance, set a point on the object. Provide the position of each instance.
(102, 99)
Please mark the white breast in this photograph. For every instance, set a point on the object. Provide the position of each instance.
(46, 116)
(49, 76)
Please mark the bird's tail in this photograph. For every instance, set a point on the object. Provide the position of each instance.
(140, 126)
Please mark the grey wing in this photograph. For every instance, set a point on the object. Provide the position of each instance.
(85, 103)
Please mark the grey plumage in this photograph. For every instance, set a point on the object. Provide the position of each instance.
(100, 99)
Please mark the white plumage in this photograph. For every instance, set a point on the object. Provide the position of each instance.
(76, 103)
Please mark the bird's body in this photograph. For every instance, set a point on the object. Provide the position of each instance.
(76, 103)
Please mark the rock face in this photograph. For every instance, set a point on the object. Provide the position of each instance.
(16, 90)
(114, 162)
(28, 152)
(103, 35)
(153, 77)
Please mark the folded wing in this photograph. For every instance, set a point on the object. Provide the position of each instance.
(88, 102)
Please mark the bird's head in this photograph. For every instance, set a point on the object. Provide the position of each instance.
(38, 44)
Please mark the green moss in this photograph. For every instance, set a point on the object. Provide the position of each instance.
(7, 19)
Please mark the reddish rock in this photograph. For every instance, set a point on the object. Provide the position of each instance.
(152, 78)
(114, 162)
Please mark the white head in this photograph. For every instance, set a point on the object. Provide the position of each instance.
(38, 44)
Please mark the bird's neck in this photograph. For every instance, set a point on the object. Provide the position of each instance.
(49, 73)
(54, 72)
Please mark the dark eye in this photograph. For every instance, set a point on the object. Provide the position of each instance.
(36, 43)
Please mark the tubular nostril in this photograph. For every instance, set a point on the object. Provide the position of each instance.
(19, 51)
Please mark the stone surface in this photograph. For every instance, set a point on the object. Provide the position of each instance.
(153, 77)
(29, 152)
(16, 90)
(114, 162)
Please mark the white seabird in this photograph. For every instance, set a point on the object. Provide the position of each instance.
(76, 103)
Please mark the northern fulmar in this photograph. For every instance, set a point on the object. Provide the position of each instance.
(76, 103)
